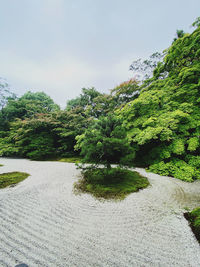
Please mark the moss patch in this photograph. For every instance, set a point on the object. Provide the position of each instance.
(114, 184)
(71, 160)
(12, 178)
(194, 220)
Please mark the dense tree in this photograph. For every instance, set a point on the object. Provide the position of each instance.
(160, 116)
(44, 135)
(95, 104)
(85, 101)
(164, 120)
(21, 126)
(28, 105)
(71, 123)
(32, 138)
(105, 143)
(103, 104)
(125, 92)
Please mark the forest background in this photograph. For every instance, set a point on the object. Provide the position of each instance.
(159, 111)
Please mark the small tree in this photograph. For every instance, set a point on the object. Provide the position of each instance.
(105, 142)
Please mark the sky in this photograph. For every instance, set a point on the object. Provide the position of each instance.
(62, 46)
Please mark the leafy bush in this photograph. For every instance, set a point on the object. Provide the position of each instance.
(176, 168)
(193, 161)
(194, 219)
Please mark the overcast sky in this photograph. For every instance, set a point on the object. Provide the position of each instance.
(61, 46)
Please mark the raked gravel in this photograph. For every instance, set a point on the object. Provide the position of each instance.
(42, 222)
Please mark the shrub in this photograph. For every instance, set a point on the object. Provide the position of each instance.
(176, 168)
(194, 219)
(106, 142)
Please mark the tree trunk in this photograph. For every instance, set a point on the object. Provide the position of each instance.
(108, 166)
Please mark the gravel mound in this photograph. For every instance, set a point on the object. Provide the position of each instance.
(42, 223)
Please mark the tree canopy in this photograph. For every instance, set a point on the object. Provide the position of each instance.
(164, 120)
(155, 119)
(105, 143)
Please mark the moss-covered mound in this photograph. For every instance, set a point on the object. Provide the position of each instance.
(110, 184)
(194, 219)
(12, 178)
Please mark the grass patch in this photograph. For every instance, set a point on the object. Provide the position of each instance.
(194, 220)
(71, 160)
(1, 165)
(12, 178)
(114, 184)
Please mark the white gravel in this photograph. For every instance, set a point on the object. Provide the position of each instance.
(42, 223)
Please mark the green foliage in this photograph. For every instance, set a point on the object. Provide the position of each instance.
(196, 213)
(30, 138)
(95, 104)
(43, 136)
(196, 23)
(86, 101)
(103, 104)
(8, 146)
(70, 124)
(12, 178)
(176, 168)
(164, 121)
(194, 218)
(193, 161)
(193, 144)
(40, 146)
(105, 143)
(28, 105)
(179, 34)
(114, 183)
(154, 122)
(125, 92)
(178, 146)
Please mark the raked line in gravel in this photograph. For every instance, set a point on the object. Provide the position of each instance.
(42, 223)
